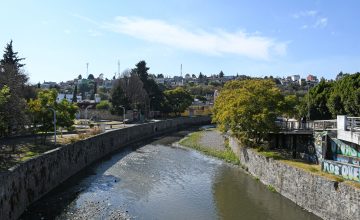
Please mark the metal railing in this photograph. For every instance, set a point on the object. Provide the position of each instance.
(325, 124)
(294, 125)
(353, 124)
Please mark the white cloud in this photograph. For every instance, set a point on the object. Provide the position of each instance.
(217, 42)
(67, 31)
(321, 23)
(309, 13)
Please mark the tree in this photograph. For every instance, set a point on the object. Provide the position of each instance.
(104, 105)
(13, 77)
(288, 106)
(155, 95)
(221, 74)
(201, 98)
(11, 58)
(74, 99)
(314, 103)
(4, 98)
(160, 75)
(80, 76)
(91, 77)
(344, 98)
(119, 99)
(94, 91)
(248, 108)
(177, 100)
(42, 116)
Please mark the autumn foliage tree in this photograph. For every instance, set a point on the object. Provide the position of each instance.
(249, 109)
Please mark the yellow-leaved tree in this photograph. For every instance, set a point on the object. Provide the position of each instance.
(249, 109)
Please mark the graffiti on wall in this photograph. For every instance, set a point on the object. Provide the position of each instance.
(344, 153)
(351, 160)
(348, 172)
(339, 147)
(320, 141)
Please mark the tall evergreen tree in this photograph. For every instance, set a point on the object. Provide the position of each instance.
(11, 58)
(155, 95)
(74, 99)
(221, 74)
(11, 75)
(94, 91)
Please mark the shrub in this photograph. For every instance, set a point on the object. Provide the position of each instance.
(104, 105)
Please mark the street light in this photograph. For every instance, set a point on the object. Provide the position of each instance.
(86, 111)
(53, 110)
(123, 114)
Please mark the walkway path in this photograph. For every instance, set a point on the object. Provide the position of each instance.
(213, 139)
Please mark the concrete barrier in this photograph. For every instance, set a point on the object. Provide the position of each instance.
(30, 180)
(325, 198)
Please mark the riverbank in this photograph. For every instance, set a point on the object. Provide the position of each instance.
(325, 195)
(211, 142)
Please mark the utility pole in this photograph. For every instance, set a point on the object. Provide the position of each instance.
(54, 121)
(87, 70)
(181, 70)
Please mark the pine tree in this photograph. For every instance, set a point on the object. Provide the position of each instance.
(221, 74)
(12, 76)
(11, 58)
(74, 99)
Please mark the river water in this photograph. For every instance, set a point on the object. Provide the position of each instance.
(156, 180)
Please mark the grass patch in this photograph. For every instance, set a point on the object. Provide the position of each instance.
(271, 188)
(316, 169)
(33, 150)
(271, 154)
(28, 155)
(193, 141)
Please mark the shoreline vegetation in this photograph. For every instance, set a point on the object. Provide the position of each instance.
(193, 140)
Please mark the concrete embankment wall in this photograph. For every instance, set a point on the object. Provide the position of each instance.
(28, 181)
(319, 195)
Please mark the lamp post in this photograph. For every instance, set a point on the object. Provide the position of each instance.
(53, 110)
(86, 111)
(123, 114)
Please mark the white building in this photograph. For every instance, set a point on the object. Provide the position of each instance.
(48, 85)
(295, 78)
(68, 97)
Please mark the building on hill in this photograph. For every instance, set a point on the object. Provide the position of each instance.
(311, 78)
(295, 78)
(68, 97)
(48, 85)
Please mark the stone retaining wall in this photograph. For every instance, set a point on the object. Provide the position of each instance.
(319, 195)
(28, 181)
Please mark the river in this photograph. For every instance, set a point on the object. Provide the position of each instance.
(156, 180)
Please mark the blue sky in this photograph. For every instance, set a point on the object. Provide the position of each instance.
(255, 37)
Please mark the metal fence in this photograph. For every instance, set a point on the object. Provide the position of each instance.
(353, 124)
(325, 124)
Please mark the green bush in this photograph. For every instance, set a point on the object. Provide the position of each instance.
(105, 105)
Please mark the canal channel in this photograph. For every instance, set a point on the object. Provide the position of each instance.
(157, 180)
